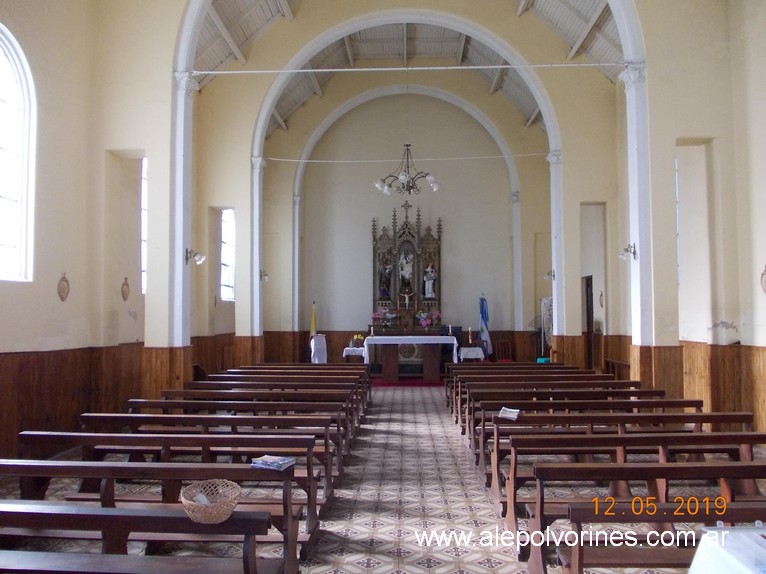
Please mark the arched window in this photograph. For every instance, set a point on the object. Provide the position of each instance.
(17, 161)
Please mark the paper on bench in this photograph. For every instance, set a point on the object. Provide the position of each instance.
(272, 462)
(508, 413)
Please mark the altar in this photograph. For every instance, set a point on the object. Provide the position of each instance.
(431, 345)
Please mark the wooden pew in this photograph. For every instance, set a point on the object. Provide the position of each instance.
(263, 434)
(345, 396)
(481, 435)
(451, 370)
(280, 380)
(116, 526)
(655, 475)
(464, 395)
(336, 410)
(573, 560)
(523, 448)
(163, 447)
(35, 476)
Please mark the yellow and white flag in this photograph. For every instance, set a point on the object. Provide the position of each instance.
(313, 326)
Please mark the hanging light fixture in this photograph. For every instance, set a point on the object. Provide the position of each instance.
(405, 178)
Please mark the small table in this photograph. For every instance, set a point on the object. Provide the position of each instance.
(353, 352)
(471, 353)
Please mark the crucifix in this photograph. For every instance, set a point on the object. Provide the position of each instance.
(406, 205)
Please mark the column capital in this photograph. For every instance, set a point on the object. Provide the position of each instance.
(258, 163)
(184, 82)
(554, 157)
(633, 74)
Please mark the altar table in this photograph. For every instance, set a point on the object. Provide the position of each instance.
(390, 353)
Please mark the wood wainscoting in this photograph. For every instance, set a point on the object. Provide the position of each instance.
(214, 353)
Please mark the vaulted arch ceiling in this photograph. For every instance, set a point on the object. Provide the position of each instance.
(587, 26)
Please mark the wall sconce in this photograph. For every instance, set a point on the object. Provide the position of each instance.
(550, 275)
(629, 249)
(199, 259)
(264, 276)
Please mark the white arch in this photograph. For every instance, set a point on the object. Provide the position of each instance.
(626, 19)
(369, 96)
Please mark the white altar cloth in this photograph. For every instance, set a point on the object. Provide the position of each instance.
(471, 353)
(410, 340)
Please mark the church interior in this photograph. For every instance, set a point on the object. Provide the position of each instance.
(191, 186)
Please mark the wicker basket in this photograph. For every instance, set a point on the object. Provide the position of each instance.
(221, 495)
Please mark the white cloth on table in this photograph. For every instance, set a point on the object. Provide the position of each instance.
(410, 340)
(471, 353)
(731, 550)
(353, 352)
(318, 349)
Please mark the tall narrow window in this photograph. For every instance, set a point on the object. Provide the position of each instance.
(17, 161)
(227, 254)
(144, 224)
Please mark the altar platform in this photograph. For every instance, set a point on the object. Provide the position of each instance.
(389, 353)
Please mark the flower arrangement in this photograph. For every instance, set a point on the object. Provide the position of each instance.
(357, 340)
(427, 319)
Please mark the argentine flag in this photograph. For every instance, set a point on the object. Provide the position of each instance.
(484, 325)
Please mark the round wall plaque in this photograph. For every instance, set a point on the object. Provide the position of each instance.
(63, 287)
(763, 280)
(125, 289)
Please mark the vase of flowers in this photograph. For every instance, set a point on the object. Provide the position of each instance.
(426, 319)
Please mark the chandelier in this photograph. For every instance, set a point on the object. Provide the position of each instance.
(405, 178)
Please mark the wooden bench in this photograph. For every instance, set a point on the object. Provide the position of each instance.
(277, 379)
(472, 392)
(344, 396)
(522, 448)
(115, 526)
(575, 559)
(163, 447)
(656, 476)
(452, 370)
(483, 411)
(36, 475)
(340, 433)
(262, 436)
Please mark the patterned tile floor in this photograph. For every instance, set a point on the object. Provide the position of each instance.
(410, 474)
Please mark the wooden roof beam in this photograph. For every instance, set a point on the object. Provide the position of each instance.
(533, 118)
(279, 119)
(460, 48)
(588, 30)
(284, 7)
(497, 77)
(524, 5)
(349, 50)
(314, 82)
(224, 32)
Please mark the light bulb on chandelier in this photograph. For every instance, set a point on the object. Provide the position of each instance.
(402, 180)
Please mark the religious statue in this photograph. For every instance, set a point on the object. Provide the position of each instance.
(384, 278)
(406, 260)
(429, 278)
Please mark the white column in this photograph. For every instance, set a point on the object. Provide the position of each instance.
(256, 257)
(639, 201)
(519, 324)
(296, 262)
(168, 308)
(557, 238)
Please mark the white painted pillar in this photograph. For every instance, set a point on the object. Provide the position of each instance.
(296, 263)
(639, 200)
(255, 314)
(557, 238)
(519, 324)
(168, 297)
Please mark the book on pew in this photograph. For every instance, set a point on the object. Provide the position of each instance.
(272, 462)
(508, 413)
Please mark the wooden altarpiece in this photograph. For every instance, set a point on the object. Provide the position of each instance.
(406, 274)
